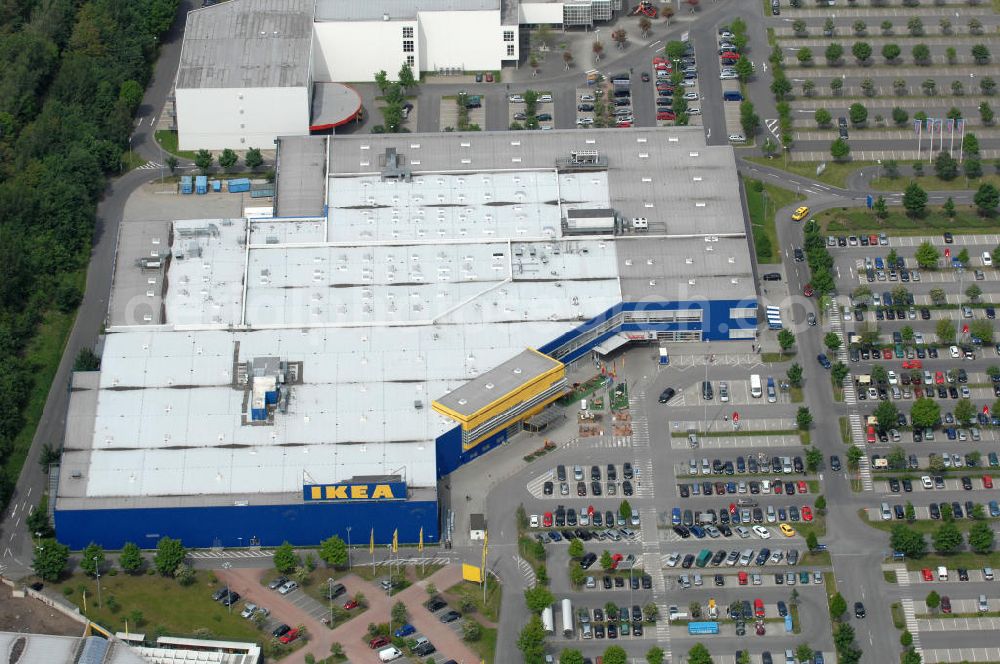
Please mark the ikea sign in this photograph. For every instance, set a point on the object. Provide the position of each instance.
(346, 492)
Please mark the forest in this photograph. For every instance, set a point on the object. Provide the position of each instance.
(72, 74)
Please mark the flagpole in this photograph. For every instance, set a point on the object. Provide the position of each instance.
(920, 136)
(961, 146)
(951, 138)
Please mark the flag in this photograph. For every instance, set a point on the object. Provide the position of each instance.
(420, 544)
(930, 124)
(951, 125)
(486, 537)
(960, 125)
(395, 540)
(371, 542)
(917, 126)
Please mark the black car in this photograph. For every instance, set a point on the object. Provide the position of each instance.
(688, 561)
(684, 490)
(435, 604)
(967, 483)
(782, 609)
(220, 594)
(963, 574)
(231, 598)
(859, 610)
(771, 276)
(647, 581)
(835, 463)
(948, 239)
(627, 470)
(588, 559)
(934, 510)
(907, 485)
(606, 582)
(547, 488)
(612, 629)
(667, 394)
(280, 630)
(451, 616)
(424, 649)
(627, 488)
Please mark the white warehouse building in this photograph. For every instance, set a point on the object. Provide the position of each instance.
(253, 70)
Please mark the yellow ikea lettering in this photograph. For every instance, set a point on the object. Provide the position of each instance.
(359, 491)
(336, 492)
(382, 491)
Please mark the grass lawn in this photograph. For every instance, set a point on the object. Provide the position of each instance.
(777, 357)
(898, 617)
(166, 607)
(925, 526)
(966, 559)
(817, 525)
(486, 646)
(168, 141)
(835, 174)
(43, 353)
(933, 183)
(845, 430)
(889, 576)
(762, 216)
(850, 220)
(466, 590)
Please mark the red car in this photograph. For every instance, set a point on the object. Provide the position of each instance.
(807, 513)
(802, 487)
(742, 578)
(808, 290)
(732, 508)
(489, 77)
(945, 604)
(290, 636)
(987, 482)
(873, 240)
(350, 604)
(926, 573)
(886, 353)
(871, 434)
(939, 378)
(378, 642)
(615, 559)
(727, 57)
(663, 115)
(912, 364)
(547, 520)
(758, 607)
(776, 487)
(620, 124)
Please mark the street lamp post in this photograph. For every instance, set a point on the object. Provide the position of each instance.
(329, 593)
(97, 570)
(349, 547)
(227, 565)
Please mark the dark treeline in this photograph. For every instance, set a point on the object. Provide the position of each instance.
(72, 73)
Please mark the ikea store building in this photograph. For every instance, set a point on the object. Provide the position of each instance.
(404, 305)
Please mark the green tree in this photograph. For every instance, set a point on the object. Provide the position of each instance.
(285, 558)
(900, 117)
(921, 54)
(204, 160)
(886, 28)
(786, 340)
(836, 86)
(981, 537)
(780, 86)
(606, 560)
(744, 69)
(228, 159)
(854, 455)
(891, 52)
(538, 598)
(838, 606)
(172, 163)
(333, 551)
(92, 559)
(910, 512)
(986, 113)
(675, 50)
(382, 81)
(399, 614)
(814, 458)
(983, 329)
(625, 510)
(949, 207)
(472, 631)
(945, 166)
(840, 149)
(906, 639)
(858, 114)
(253, 159)
(812, 542)
(699, 655)
(980, 54)
(576, 549)
(654, 655)
(910, 542)
(50, 559)
(972, 167)
(834, 52)
(945, 331)
(615, 655)
(862, 51)
(799, 27)
(130, 559)
(947, 538)
(915, 201)
(406, 78)
(973, 292)
(839, 372)
(804, 56)
(822, 117)
(804, 653)
(571, 656)
(987, 198)
(803, 418)
(794, 375)
(170, 553)
(880, 208)
(933, 600)
(927, 257)
(925, 412)
(915, 26)
(832, 341)
(886, 414)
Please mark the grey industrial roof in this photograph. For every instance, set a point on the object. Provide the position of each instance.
(247, 43)
(302, 192)
(665, 269)
(498, 382)
(374, 10)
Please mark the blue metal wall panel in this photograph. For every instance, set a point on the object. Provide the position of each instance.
(449, 449)
(301, 524)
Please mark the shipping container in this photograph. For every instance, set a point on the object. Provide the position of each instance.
(706, 627)
(238, 185)
(567, 618)
(201, 184)
(187, 186)
(216, 185)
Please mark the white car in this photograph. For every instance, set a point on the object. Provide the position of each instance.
(955, 353)
(728, 77)
(688, 83)
(518, 99)
(737, 138)
(742, 532)
(673, 559)
(694, 110)
(586, 97)
(287, 587)
(534, 521)
(893, 378)
(690, 95)
(585, 121)
(248, 610)
(762, 532)
(927, 482)
(545, 98)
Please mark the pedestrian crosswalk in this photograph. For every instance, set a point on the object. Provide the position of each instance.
(232, 553)
(902, 576)
(150, 166)
(912, 626)
(527, 571)
(864, 465)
